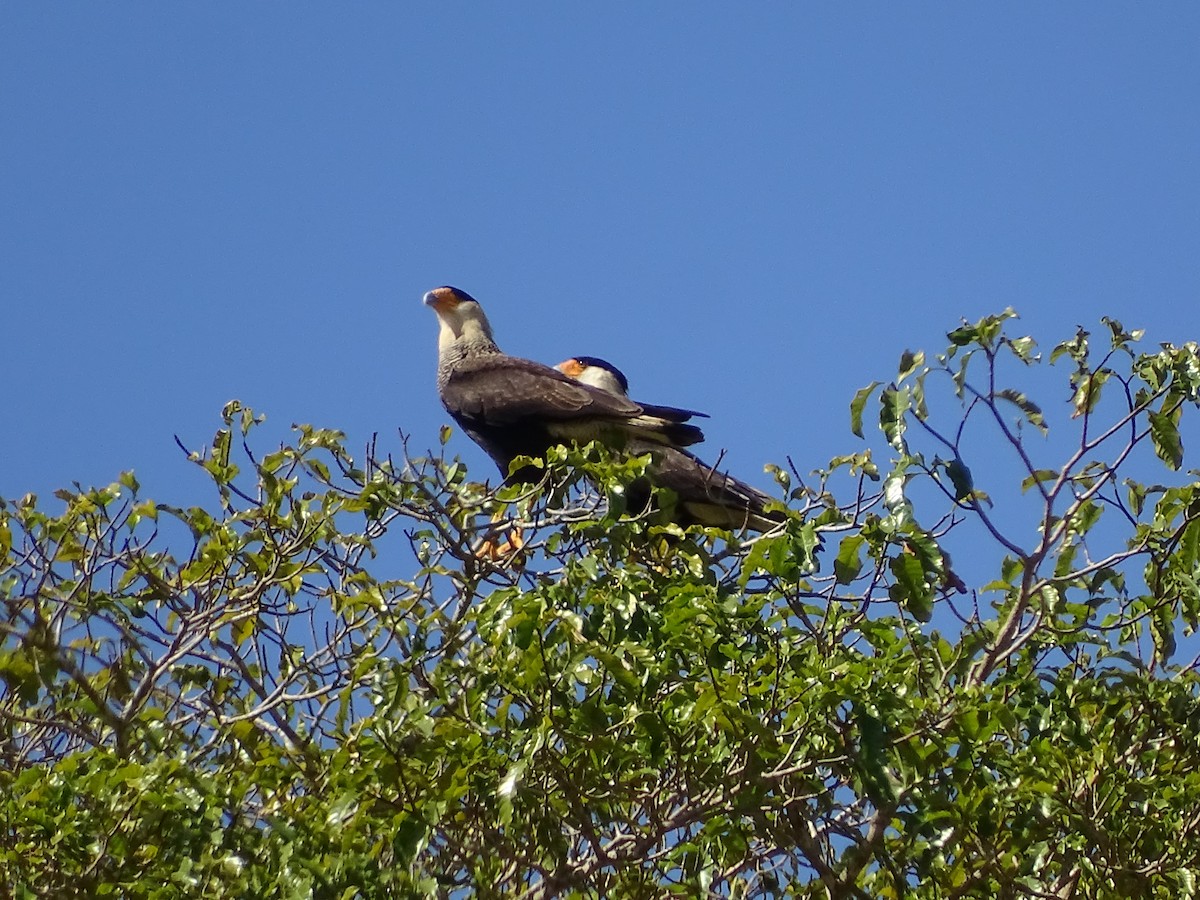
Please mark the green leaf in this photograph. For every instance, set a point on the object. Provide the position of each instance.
(873, 758)
(858, 463)
(1121, 337)
(1136, 493)
(964, 335)
(1039, 476)
(1164, 433)
(1087, 391)
(147, 509)
(910, 589)
(804, 546)
(407, 838)
(1033, 412)
(919, 406)
(243, 629)
(617, 667)
(1085, 516)
(894, 403)
(848, 563)
(960, 477)
(229, 410)
(985, 332)
(909, 363)
(1187, 554)
(1076, 348)
(1162, 632)
(856, 407)
(1022, 348)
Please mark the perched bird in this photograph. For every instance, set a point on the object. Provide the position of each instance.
(705, 496)
(597, 372)
(516, 407)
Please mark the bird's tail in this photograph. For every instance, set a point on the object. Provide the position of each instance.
(665, 431)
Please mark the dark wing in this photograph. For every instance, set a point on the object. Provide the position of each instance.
(671, 413)
(503, 390)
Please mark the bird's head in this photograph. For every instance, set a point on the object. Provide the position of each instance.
(596, 372)
(459, 315)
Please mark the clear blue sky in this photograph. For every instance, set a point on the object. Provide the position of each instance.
(753, 209)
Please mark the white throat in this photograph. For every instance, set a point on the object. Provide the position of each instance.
(458, 330)
(602, 379)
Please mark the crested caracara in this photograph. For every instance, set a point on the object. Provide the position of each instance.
(516, 407)
(704, 495)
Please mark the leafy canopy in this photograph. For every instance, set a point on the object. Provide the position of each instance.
(316, 687)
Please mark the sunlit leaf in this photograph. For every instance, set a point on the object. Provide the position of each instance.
(1039, 476)
(848, 563)
(960, 337)
(858, 404)
(1088, 390)
(1023, 348)
(910, 589)
(1164, 434)
(1033, 413)
(894, 403)
(1076, 348)
(909, 363)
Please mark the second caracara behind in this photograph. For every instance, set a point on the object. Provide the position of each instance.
(704, 496)
(517, 407)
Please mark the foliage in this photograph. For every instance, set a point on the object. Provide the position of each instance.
(319, 688)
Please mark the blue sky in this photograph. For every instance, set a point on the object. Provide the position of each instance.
(752, 209)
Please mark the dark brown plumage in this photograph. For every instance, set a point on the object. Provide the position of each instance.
(516, 407)
(704, 495)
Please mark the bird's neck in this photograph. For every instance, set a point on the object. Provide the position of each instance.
(473, 339)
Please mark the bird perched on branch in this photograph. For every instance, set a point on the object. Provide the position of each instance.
(516, 407)
(705, 495)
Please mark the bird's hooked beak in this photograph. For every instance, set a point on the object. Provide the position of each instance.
(459, 316)
(442, 299)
